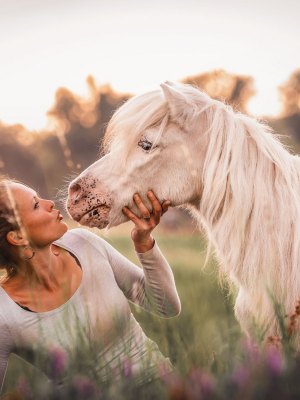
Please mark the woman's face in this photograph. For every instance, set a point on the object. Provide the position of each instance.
(41, 221)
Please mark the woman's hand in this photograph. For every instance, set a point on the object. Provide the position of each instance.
(141, 233)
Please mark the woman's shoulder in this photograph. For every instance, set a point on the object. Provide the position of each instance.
(7, 328)
(5, 309)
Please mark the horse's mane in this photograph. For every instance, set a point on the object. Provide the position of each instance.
(250, 203)
(251, 206)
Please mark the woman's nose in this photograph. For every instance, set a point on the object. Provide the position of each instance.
(50, 204)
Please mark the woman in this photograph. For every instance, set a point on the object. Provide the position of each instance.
(68, 290)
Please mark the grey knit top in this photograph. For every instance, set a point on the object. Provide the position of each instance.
(98, 313)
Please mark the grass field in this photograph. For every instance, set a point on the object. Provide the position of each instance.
(211, 357)
(206, 332)
(206, 329)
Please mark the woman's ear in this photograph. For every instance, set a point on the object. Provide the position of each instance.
(16, 238)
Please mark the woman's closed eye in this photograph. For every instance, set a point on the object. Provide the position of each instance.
(36, 203)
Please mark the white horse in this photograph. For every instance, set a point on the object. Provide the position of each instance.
(243, 186)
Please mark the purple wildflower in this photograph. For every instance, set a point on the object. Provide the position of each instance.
(58, 361)
(274, 361)
(127, 368)
(201, 382)
(241, 376)
(85, 387)
(252, 351)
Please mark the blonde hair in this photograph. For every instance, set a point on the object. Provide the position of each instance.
(8, 222)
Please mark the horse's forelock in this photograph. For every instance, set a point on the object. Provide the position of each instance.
(132, 119)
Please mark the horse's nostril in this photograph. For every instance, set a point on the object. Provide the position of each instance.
(75, 192)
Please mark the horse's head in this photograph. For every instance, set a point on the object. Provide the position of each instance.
(152, 142)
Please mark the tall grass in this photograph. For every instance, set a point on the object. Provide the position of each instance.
(212, 360)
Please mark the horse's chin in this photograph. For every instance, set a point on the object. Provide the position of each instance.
(96, 218)
(116, 220)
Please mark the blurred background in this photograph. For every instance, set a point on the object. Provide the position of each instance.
(67, 65)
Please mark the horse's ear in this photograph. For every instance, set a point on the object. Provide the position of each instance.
(174, 95)
(169, 83)
(178, 104)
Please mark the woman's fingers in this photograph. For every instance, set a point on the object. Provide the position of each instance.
(140, 223)
(141, 206)
(156, 207)
(165, 206)
(130, 215)
(142, 228)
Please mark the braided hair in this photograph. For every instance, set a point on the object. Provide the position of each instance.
(8, 222)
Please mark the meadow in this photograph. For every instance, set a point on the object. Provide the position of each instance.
(206, 325)
(204, 342)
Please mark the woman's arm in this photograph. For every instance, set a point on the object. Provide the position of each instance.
(152, 287)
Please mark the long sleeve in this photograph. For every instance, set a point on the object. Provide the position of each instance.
(6, 346)
(152, 287)
(94, 311)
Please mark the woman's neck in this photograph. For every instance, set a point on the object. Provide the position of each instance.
(43, 271)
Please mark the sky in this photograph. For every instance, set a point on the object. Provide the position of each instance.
(136, 44)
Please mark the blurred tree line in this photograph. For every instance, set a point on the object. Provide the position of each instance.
(48, 160)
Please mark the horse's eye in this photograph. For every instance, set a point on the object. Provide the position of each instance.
(145, 144)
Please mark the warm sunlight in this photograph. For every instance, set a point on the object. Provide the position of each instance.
(187, 177)
(48, 45)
